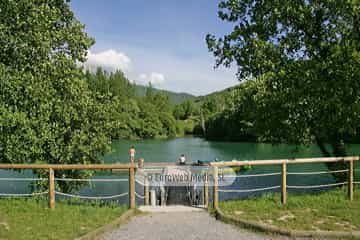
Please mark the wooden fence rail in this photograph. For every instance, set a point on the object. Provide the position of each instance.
(284, 173)
(124, 166)
(131, 167)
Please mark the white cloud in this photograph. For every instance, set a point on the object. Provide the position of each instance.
(153, 77)
(193, 74)
(110, 60)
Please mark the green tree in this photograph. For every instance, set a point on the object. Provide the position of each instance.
(235, 119)
(149, 94)
(163, 108)
(306, 56)
(150, 125)
(161, 101)
(179, 112)
(185, 110)
(120, 86)
(102, 83)
(47, 112)
(189, 109)
(131, 116)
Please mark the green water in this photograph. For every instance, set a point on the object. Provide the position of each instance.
(199, 149)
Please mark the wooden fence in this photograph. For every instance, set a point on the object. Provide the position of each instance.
(131, 167)
(284, 173)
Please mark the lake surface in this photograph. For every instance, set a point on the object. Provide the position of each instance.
(198, 149)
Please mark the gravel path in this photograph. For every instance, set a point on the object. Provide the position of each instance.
(181, 226)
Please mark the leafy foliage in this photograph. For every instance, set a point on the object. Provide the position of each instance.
(54, 112)
(130, 116)
(305, 55)
(48, 114)
(229, 114)
(185, 110)
(174, 97)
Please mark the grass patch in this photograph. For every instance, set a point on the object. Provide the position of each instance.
(32, 219)
(328, 211)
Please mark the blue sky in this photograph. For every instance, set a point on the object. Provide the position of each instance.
(162, 41)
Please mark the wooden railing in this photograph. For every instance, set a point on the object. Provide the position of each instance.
(284, 173)
(131, 167)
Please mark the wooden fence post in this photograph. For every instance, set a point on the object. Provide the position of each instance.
(351, 180)
(132, 203)
(146, 191)
(283, 183)
(141, 162)
(51, 189)
(206, 192)
(215, 188)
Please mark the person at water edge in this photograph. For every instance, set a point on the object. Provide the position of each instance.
(182, 159)
(132, 153)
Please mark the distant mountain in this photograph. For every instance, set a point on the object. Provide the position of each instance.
(217, 95)
(222, 92)
(175, 98)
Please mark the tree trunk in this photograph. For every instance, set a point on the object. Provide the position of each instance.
(202, 120)
(322, 147)
(338, 150)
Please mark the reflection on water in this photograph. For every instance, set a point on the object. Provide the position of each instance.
(197, 149)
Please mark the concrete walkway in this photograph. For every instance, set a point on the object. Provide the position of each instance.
(169, 209)
(180, 225)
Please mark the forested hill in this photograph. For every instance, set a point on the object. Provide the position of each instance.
(217, 94)
(174, 97)
(226, 114)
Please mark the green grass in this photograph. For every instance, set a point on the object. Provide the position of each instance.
(329, 211)
(32, 219)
